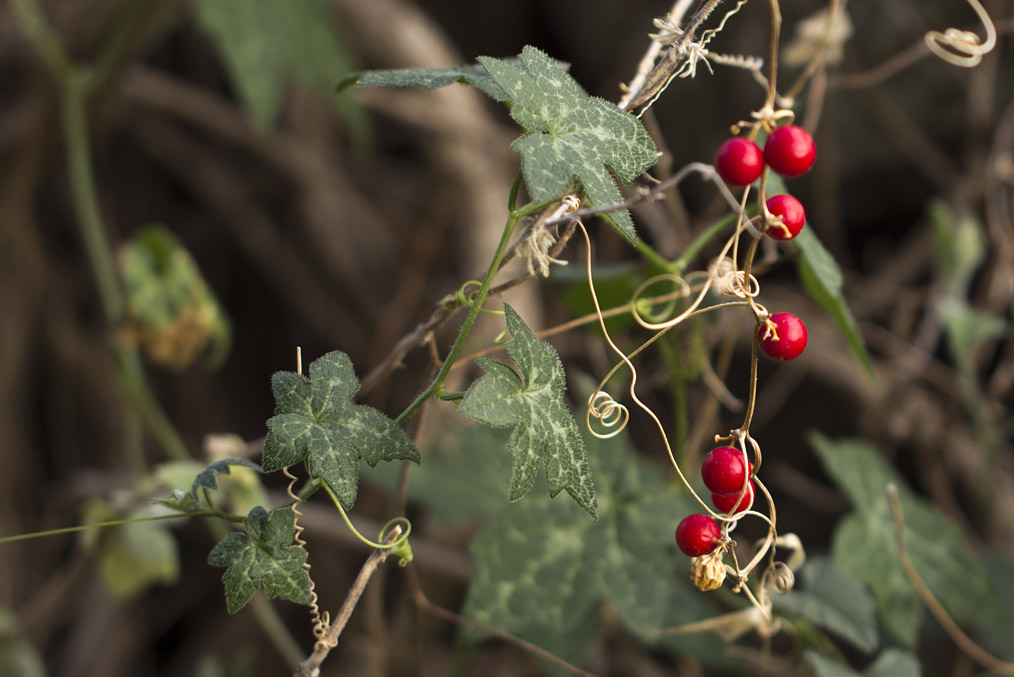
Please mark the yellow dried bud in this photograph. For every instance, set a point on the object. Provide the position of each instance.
(707, 572)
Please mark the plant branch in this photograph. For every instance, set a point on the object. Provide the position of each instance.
(477, 304)
(311, 666)
(963, 641)
(117, 523)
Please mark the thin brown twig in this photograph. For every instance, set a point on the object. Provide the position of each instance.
(423, 602)
(311, 666)
(963, 641)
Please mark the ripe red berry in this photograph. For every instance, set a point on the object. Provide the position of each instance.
(727, 502)
(697, 535)
(739, 161)
(791, 338)
(723, 470)
(790, 151)
(792, 213)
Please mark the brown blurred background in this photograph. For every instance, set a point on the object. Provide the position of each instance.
(337, 226)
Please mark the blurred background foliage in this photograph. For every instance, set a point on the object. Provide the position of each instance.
(291, 216)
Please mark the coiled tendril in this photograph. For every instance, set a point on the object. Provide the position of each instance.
(608, 412)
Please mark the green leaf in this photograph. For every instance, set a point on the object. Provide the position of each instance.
(998, 628)
(966, 329)
(263, 555)
(545, 434)
(891, 663)
(824, 282)
(316, 421)
(208, 478)
(961, 246)
(835, 601)
(171, 311)
(430, 78)
(570, 135)
(268, 44)
(822, 279)
(542, 569)
(136, 556)
(865, 543)
(18, 658)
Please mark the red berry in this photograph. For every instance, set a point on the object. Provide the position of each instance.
(790, 151)
(791, 338)
(723, 470)
(726, 502)
(792, 213)
(739, 161)
(697, 535)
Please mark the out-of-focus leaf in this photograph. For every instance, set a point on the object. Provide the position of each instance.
(865, 543)
(171, 311)
(835, 601)
(270, 44)
(542, 569)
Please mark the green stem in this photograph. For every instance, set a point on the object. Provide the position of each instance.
(695, 247)
(473, 313)
(274, 627)
(135, 386)
(116, 523)
(75, 128)
(512, 199)
(115, 46)
(654, 257)
(76, 83)
(36, 27)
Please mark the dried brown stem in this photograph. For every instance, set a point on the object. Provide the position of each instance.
(311, 666)
(964, 642)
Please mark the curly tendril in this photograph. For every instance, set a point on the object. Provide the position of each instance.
(963, 48)
(321, 619)
(730, 281)
(608, 412)
(640, 306)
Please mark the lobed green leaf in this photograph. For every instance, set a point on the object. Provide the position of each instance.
(542, 570)
(264, 555)
(315, 421)
(545, 435)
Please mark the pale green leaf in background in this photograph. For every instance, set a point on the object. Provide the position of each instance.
(542, 570)
(865, 543)
(832, 599)
(268, 45)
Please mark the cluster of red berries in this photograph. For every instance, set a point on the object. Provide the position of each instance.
(724, 472)
(789, 151)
